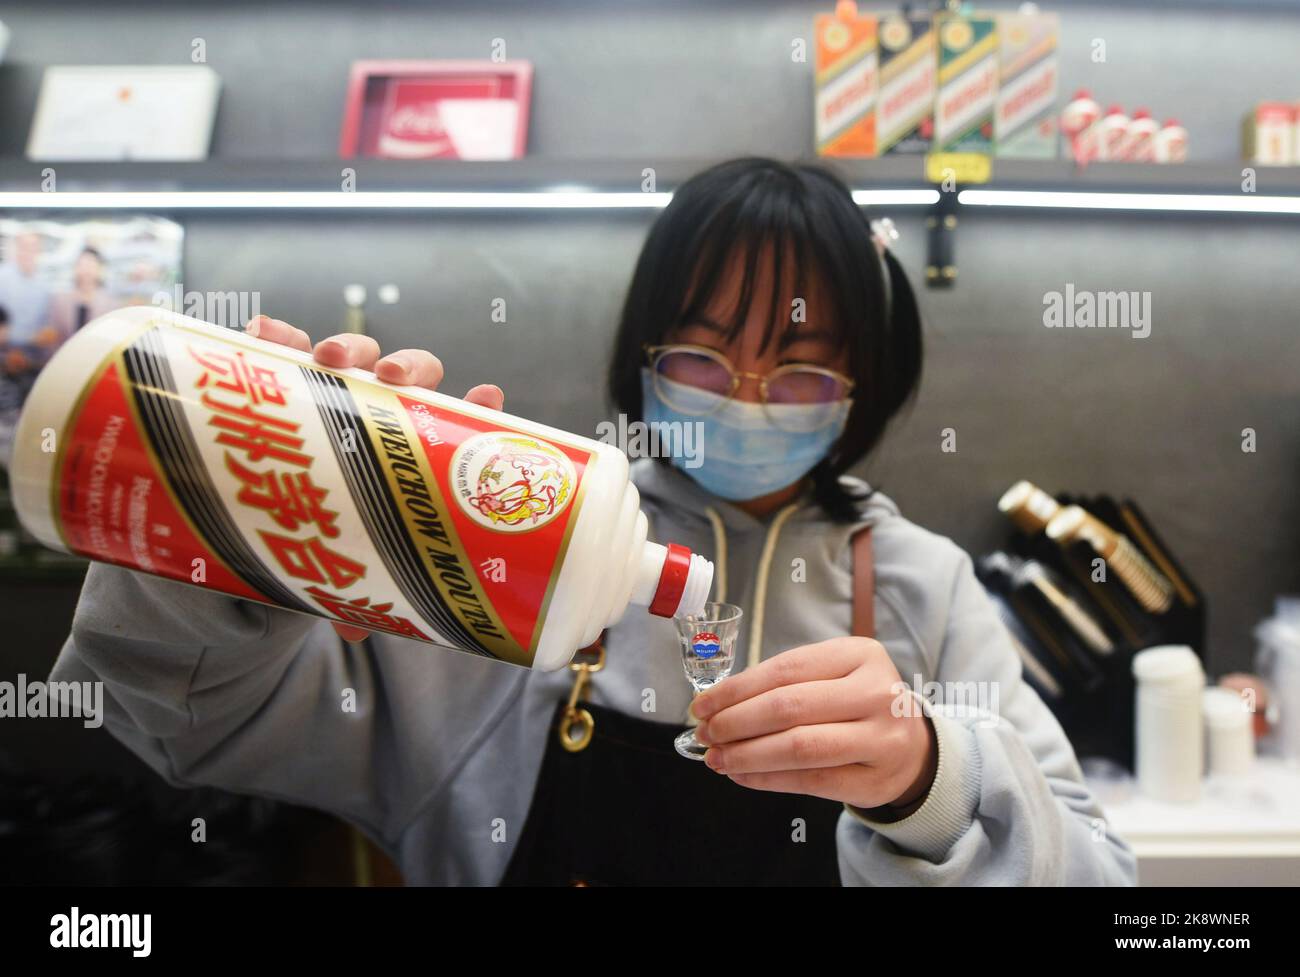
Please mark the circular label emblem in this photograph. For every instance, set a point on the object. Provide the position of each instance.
(957, 34)
(705, 644)
(895, 34)
(836, 36)
(511, 483)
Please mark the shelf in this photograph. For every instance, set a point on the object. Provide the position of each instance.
(1257, 818)
(541, 183)
(523, 175)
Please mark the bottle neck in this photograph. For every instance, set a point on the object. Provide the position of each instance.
(672, 580)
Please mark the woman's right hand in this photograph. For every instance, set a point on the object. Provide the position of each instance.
(408, 367)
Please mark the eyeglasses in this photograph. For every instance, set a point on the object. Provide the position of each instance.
(681, 371)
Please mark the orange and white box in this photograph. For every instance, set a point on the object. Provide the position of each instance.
(968, 83)
(1024, 125)
(909, 77)
(847, 82)
(1295, 134)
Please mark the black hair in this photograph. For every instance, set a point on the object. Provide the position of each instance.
(804, 216)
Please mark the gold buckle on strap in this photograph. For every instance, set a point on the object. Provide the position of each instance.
(577, 724)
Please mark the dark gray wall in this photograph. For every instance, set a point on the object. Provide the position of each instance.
(1157, 419)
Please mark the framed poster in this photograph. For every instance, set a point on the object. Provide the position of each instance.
(470, 110)
(148, 112)
(56, 276)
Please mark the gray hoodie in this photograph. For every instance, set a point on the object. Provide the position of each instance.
(438, 759)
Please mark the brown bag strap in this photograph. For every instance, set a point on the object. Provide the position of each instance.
(864, 585)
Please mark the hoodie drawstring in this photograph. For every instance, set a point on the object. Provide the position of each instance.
(760, 583)
(720, 555)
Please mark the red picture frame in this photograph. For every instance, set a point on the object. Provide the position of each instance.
(444, 109)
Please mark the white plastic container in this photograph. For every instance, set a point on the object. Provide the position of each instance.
(1278, 661)
(1170, 758)
(1230, 741)
(189, 451)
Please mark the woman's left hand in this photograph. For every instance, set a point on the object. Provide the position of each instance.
(833, 720)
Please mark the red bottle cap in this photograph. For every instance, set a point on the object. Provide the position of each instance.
(672, 581)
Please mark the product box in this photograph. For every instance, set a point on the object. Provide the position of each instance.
(437, 109)
(909, 74)
(847, 82)
(1024, 125)
(1268, 134)
(968, 83)
(1295, 133)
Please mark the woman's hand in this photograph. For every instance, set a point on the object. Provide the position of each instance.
(411, 367)
(832, 720)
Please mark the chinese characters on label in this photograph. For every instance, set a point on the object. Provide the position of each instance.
(242, 397)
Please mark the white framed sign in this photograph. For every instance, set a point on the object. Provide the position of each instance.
(130, 112)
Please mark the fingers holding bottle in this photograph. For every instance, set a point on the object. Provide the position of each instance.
(404, 367)
(278, 331)
(411, 367)
(339, 352)
(487, 395)
(350, 632)
(347, 350)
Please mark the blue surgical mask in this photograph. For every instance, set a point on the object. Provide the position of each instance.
(742, 454)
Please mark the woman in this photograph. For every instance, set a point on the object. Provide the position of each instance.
(85, 301)
(762, 310)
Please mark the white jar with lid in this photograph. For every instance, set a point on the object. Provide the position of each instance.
(1170, 756)
(1229, 737)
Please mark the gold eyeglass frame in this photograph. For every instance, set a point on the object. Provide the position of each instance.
(656, 353)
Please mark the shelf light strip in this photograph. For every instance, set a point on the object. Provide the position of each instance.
(171, 200)
(1168, 202)
(573, 199)
(895, 198)
(333, 200)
